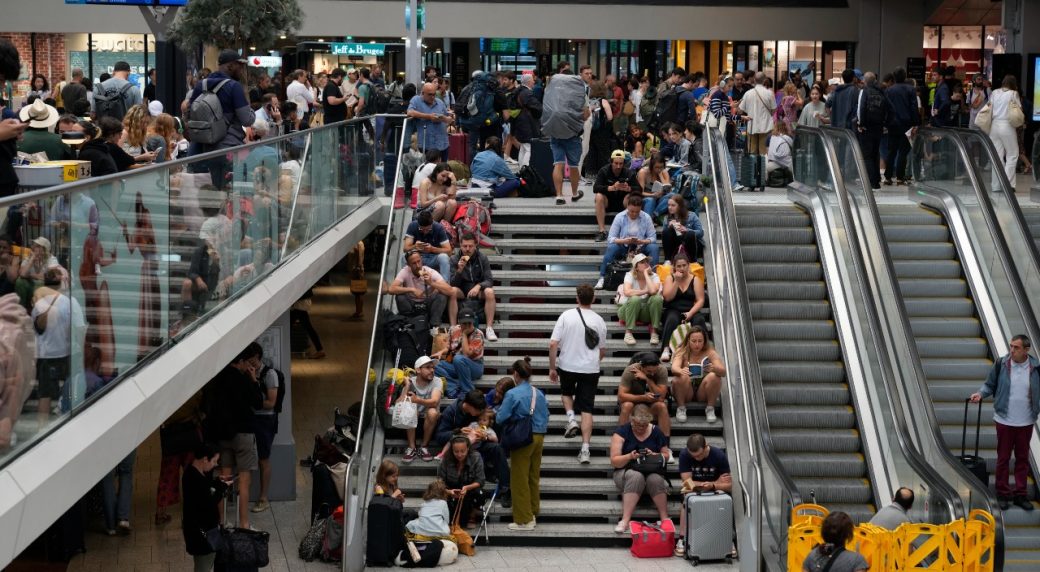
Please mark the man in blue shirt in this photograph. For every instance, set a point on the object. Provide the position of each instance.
(235, 106)
(431, 241)
(632, 230)
(434, 118)
(702, 469)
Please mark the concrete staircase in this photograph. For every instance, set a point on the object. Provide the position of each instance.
(544, 251)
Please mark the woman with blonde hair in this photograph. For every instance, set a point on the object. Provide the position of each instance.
(789, 104)
(698, 372)
(640, 300)
(162, 138)
(135, 132)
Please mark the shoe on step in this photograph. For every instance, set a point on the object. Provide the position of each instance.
(709, 414)
(680, 548)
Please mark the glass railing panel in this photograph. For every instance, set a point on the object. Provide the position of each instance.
(142, 256)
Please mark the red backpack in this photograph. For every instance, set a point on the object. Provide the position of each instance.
(474, 218)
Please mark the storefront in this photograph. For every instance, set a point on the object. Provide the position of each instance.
(968, 49)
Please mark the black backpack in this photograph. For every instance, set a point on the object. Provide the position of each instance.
(874, 108)
(666, 111)
(380, 99)
(461, 106)
(281, 386)
(110, 102)
(532, 184)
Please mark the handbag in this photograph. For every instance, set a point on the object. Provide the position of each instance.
(628, 109)
(984, 118)
(244, 548)
(591, 337)
(1016, 117)
(678, 335)
(215, 538)
(178, 438)
(406, 414)
(518, 433)
(462, 538)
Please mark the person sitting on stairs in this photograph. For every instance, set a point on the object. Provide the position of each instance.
(632, 231)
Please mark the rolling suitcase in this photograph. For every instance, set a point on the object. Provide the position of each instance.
(709, 526)
(974, 463)
(385, 532)
(458, 148)
(542, 161)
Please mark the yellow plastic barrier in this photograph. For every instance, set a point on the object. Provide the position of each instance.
(960, 546)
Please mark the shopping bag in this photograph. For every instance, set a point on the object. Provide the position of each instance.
(406, 414)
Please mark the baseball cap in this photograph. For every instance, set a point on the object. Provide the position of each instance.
(617, 154)
(155, 108)
(858, 73)
(648, 358)
(228, 56)
(423, 360)
(42, 242)
(467, 317)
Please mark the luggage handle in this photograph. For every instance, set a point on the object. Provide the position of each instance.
(964, 429)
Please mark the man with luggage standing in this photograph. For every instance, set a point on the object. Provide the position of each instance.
(434, 118)
(702, 469)
(758, 105)
(564, 111)
(576, 348)
(229, 401)
(1014, 382)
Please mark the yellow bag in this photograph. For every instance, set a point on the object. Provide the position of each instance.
(462, 538)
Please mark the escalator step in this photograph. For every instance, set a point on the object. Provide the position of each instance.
(802, 372)
(922, 250)
(796, 394)
(795, 330)
(779, 253)
(952, 327)
(952, 347)
(974, 369)
(932, 287)
(804, 290)
(785, 271)
(917, 233)
(830, 491)
(813, 465)
(836, 417)
(768, 235)
(803, 351)
(791, 440)
(790, 310)
(947, 307)
(933, 269)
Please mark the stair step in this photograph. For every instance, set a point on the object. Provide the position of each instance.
(501, 260)
(555, 443)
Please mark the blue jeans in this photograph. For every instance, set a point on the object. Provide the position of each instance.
(505, 187)
(615, 251)
(660, 207)
(117, 504)
(460, 373)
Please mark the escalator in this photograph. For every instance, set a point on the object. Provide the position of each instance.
(812, 418)
(953, 347)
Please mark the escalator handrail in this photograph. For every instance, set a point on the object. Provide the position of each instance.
(90, 182)
(894, 370)
(352, 513)
(753, 392)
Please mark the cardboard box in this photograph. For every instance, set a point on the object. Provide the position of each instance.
(73, 170)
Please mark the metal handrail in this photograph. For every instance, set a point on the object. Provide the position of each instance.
(748, 358)
(85, 184)
(352, 513)
(893, 369)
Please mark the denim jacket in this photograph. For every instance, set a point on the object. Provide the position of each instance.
(998, 384)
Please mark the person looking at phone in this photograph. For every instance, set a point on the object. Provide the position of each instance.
(463, 474)
(430, 239)
(424, 389)
(631, 232)
(639, 454)
(645, 382)
(434, 118)
(613, 183)
(437, 194)
(229, 400)
(698, 372)
(683, 300)
(703, 469)
(682, 227)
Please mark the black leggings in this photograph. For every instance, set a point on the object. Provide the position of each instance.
(473, 499)
(305, 319)
(672, 241)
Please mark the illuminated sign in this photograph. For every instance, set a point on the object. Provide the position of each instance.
(358, 49)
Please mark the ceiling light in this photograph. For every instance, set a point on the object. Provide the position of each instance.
(371, 41)
(990, 37)
(252, 48)
(321, 39)
(283, 36)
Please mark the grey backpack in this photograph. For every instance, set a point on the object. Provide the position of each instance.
(206, 121)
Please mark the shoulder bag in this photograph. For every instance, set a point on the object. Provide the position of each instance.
(519, 433)
(834, 557)
(591, 336)
(1016, 117)
(984, 118)
(462, 538)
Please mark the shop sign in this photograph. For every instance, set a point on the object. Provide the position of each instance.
(358, 49)
(265, 61)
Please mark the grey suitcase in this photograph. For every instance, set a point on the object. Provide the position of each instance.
(709, 526)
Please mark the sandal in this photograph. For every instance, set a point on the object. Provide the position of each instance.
(578, 196)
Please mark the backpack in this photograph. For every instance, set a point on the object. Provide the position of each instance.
(332, 540)
(874, 107)
(110, 102)
(281, 386)
(648, 105)
(206, 121)
(380, 98)
(666, 110)
(461, 107)
(453, 235)
(526, 101)
(532, 185)
(473, 218)
(562, 107)
(397, 104)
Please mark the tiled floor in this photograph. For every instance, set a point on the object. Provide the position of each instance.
(555, 559)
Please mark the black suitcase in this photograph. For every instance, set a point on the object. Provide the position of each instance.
(385, 531)
(542, 161)
(974, 463)
(324, 496)
(389, 174)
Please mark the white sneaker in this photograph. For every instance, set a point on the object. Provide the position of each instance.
(490, 334)
(518, 526)
(584, 456)
(655, 340)
(630, 339)
(709, 414)
(666, 355)
(680, 548)
(680, 415)
(572, 429)
(599, 284)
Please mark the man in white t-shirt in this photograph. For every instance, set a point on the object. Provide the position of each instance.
(424, 388)
(299, 92)
(579, 364)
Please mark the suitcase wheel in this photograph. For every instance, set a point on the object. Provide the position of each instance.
(696, 560)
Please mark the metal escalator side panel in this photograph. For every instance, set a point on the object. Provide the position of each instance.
(767, 492)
